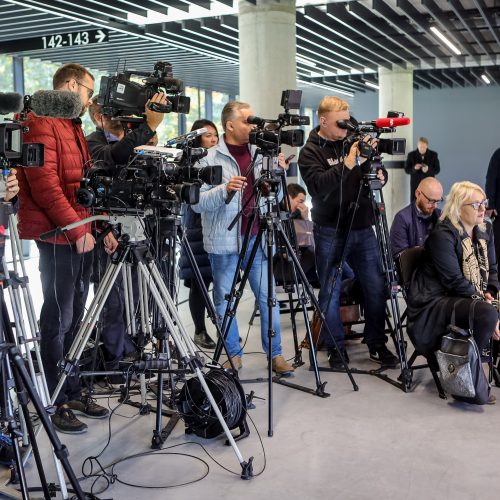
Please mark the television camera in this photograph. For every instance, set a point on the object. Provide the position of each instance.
(155, 177)
(270, 134)
(121, 96)
(366, 132)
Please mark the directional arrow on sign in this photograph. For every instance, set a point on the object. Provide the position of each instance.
(100, 36)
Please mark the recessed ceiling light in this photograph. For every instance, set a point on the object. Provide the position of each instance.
(485, 79)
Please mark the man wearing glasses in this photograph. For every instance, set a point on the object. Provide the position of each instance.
(412, 224)
(47, 201)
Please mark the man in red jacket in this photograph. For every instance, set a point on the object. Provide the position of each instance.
(47, 201)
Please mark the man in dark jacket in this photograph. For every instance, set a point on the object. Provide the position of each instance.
(493, 194)
(47, 201)
(421, 163)
(110, 147)
(333, 175)
(412, 224)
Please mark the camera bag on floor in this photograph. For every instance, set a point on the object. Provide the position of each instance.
(459, 360)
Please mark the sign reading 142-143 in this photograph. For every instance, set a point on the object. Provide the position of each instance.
(76, 38)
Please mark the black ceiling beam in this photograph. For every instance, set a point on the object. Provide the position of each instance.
(341, 80)
(214, 24)
(194, 28)
(86, 9)
(343, 50)
(451, 76)
(120, 6)
(475, 33)
(231, 22)
(448, 26)
(481, 6)
(338, 60)
(324, 21)
(464, 73)
(380, 37)
(424, 82)
(421, 22)
(400, 24)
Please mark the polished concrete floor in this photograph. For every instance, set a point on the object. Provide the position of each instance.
(376, 443)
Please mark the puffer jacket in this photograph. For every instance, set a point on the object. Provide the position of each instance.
(216, 216)
(47, 195)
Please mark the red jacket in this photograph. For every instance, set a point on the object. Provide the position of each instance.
(47, 196)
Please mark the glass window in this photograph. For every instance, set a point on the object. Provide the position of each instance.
(6, 74)
(219, 100)
(194, 110)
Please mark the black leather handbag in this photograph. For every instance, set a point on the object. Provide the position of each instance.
(460, 366)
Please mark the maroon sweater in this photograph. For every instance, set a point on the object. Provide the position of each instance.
(241, 154)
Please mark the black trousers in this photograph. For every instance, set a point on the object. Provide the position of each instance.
(114, 334)
(65, 277)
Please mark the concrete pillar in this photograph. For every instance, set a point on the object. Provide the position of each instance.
(267, 53)
(396, 94)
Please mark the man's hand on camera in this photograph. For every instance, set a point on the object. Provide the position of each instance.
(236, 183)
(425, 168)
(153, 119)
(85, 243)
(417, 166)
(11, 185)
(110, 243)
(282, 161)
(381, 175)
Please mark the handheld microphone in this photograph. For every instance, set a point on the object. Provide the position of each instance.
(55, 104)
(10, 102)
(388, 122)
(186, 137)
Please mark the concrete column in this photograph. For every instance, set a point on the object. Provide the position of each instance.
(396, 94)
(267, 53)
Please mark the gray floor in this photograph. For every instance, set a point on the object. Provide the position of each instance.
(377, 443)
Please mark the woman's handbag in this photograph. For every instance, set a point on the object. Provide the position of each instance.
(460, 366)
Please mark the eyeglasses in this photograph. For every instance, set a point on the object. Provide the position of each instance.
(90, 92)
(430, 201)
(475, 205)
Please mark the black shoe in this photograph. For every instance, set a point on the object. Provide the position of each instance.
(203, 340)
(334, 358)
(88, 407)
(64, 420)
(383, 356)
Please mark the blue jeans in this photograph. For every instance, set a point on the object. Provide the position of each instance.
(223, 269)
(363, 255)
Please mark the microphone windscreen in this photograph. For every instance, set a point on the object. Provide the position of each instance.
(10, 102)
(392, 122)
(56, 104)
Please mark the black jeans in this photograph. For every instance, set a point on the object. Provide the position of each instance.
(114, 333)
(65, 277)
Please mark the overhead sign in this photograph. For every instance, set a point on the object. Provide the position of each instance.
(57, 41)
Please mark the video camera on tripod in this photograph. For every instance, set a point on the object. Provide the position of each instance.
(119, 96)
(13, 152)
(156, 177)
(371, 149)
(269, 134)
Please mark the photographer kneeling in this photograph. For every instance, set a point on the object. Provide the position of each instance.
(459, 265)
(329, 166)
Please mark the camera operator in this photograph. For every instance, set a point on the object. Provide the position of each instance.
(329, 166)
(47, 201)
(235, 155)
(109, 146)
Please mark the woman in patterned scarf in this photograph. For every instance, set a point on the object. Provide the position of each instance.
(459, 264)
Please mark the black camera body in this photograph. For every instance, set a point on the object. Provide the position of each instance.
(149, 181)
(269, 134)
(121, 96)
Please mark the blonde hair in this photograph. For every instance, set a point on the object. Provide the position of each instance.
(331, 103)
(460, 193)
(229, 109)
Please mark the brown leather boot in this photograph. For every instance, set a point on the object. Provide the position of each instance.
(281, 366)
(236, 362)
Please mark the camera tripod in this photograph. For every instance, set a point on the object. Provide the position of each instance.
(27, 338)
(374, 185)
(269, 223)
(13, 374)
(151, 277)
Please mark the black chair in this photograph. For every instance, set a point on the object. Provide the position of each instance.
(407, 262)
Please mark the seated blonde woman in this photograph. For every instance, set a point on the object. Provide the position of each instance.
(459, 264)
